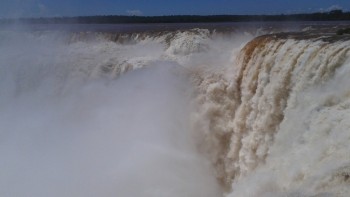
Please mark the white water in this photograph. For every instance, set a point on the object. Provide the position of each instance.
(309, 154)
(178, 114)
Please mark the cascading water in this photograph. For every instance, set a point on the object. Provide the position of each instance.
(281, 108)
(187, 113)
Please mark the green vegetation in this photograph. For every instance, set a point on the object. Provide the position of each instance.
(334, 15)
(343, 31)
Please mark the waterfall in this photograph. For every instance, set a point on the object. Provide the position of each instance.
(178, 113)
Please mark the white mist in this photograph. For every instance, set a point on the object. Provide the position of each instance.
(67, 133)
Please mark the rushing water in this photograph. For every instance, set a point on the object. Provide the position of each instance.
(175, 113)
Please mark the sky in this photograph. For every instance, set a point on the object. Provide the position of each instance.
(50, 8)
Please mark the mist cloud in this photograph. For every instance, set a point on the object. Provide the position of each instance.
(134, 12)
(335, 7)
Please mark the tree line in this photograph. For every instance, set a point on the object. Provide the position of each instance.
(334, 15)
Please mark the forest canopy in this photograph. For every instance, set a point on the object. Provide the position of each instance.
(334, 15)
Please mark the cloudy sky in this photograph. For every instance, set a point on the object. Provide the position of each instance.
(39, 8)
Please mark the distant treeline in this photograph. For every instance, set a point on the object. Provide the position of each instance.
(110, 19)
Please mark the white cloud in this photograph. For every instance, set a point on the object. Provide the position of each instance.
(134, 12)
(334, 7)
